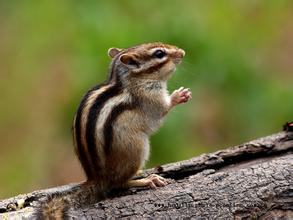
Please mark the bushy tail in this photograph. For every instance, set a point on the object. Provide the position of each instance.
(57, 204)
(54, 208)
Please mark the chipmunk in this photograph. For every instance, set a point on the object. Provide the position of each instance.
(114, 120)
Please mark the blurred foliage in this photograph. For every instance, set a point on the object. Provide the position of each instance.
(238, 65)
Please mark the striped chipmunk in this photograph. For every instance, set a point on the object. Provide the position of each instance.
(114, 120)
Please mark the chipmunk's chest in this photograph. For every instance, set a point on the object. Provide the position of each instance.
(154, 109)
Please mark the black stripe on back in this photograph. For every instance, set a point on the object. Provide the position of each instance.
(80, 149)
(92, 120)
(108, 126)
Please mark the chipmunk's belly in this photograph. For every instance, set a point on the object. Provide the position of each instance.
(153, 125)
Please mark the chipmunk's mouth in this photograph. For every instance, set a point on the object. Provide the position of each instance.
(177, 61)
(178, 56)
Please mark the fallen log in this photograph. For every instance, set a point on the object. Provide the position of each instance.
(249, 181)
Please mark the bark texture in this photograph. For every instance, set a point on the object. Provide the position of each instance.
(250, 181)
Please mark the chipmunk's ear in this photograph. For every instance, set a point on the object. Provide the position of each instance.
(129, 60)
(112, 52)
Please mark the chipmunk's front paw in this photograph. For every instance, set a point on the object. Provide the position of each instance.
(180, 95)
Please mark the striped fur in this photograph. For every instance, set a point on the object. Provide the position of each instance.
(109, 123)
(135, 89)
(113, 123)
(79, 147)
(92, 118)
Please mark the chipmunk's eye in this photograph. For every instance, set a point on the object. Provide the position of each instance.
(159, 54)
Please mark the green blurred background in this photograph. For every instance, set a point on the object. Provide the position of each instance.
(238, 64)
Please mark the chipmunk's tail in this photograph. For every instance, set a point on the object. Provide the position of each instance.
(57, 205)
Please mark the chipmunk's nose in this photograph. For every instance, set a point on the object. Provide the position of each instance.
(181, 52)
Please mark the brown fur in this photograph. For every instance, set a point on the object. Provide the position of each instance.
(85, 111)
(131, 129)
(145, 101)
(54, 209)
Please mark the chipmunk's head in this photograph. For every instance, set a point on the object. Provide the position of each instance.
(155, 61)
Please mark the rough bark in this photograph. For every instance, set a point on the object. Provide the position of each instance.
(249, 181)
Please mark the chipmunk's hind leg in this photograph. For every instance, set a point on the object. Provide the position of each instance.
(153, 181)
